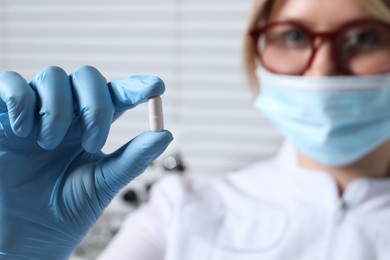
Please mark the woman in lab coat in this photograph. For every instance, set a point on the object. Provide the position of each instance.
(323, 68)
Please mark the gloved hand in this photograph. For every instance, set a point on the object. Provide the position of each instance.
(54, 180)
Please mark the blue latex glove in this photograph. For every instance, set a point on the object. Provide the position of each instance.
(54, 180)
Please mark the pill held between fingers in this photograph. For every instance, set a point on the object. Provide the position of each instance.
(156, 118)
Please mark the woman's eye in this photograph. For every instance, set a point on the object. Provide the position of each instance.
(364, 38)
(295, 36)
(288, 37)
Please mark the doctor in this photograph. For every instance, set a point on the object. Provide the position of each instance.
(323, 68)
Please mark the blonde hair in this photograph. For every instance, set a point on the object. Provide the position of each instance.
(379, 9)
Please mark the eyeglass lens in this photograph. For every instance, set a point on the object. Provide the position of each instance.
(359, 49)
(365, 49)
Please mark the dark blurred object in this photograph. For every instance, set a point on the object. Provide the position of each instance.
(131, 196)
(148, 187)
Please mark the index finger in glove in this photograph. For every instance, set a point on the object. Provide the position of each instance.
(134, 90)
(19, 101)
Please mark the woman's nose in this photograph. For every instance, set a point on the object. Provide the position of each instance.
(323, 63)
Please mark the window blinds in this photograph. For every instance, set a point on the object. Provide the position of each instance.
(195, 46)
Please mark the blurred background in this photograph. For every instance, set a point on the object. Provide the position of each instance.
(195, 46)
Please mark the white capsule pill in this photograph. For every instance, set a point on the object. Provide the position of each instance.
(156, 118)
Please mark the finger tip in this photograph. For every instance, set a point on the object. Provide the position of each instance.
(162, 136)
(49, 141)
(155, 85)
(22, 130)
(168, 135)
(49, 146)
(91, 147)
(93, 143)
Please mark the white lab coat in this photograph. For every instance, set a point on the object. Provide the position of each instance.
(270, 210)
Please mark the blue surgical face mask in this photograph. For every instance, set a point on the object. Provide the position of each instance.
(333, 120)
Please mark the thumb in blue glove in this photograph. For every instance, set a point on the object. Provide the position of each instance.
(54, 180)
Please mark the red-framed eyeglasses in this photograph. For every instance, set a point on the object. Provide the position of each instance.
(360, 47)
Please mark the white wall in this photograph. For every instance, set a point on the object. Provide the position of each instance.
(195, 46)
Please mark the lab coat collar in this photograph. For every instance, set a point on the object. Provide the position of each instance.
(363, 192)
(285, 178)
